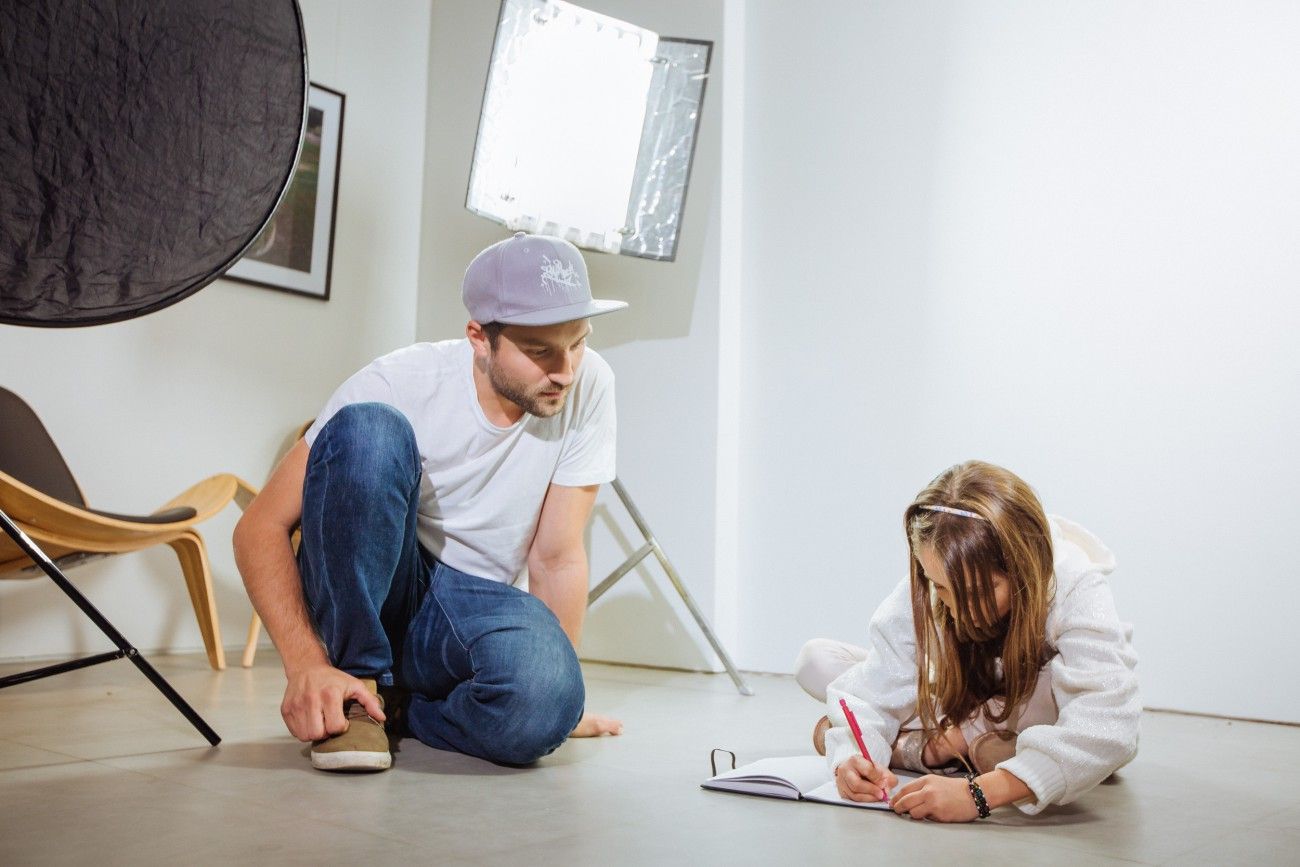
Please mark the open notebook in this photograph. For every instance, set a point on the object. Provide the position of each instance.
(795, 778)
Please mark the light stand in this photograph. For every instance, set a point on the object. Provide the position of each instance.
(124, 647)
(652, 546)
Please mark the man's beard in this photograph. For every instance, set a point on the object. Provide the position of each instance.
(530, 401)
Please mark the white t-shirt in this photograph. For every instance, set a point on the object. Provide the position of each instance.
(482, 488)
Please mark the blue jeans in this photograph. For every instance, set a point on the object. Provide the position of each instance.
(489, 669)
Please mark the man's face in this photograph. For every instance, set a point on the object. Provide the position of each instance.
(533, 366)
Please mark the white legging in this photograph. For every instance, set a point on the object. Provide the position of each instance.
(821, 661)
(824, 659)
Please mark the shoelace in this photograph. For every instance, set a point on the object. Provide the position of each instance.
(356, 711)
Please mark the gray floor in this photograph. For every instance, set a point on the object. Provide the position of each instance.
(95, 767)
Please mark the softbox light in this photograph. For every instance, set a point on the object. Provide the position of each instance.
(588, 129)
(143, 146)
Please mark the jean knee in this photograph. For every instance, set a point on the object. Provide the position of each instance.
(546, 700)
(374, 438)
(538, 739)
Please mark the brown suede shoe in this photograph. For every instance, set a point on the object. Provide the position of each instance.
(819, 735)
(363, 747)
(990, 748)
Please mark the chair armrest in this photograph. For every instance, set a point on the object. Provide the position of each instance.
(211, 496)
(54, 521)
(57, 522)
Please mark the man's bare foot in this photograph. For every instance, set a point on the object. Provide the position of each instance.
(593, 725)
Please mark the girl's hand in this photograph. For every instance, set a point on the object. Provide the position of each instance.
(860, 780)
(941, 799)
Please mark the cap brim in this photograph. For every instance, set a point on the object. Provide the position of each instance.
(568, 313)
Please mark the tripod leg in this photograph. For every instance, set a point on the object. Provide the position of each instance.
(47, 566)
(699, 618)
(678, 586)
(627, 566)
(173, 696)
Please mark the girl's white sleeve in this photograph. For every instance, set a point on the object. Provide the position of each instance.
(1096, 692)
(880, 690)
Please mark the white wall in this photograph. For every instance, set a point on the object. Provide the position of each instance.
(663, 349)
(1057, 236)
(143, 409)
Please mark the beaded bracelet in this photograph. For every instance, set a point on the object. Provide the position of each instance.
(977, 794)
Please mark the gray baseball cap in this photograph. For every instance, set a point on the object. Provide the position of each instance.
(531, 280)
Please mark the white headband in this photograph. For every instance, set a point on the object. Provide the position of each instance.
(951, 511)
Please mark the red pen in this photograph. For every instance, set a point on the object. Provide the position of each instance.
(857, 736)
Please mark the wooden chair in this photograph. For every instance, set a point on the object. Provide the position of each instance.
(40, 494)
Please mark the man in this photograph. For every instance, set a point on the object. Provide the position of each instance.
(430, 480)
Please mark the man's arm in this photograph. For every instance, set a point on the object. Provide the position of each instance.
(557, 560)
(557, 574)
(313, 699)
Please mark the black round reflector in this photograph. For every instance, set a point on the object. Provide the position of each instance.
(143, 146)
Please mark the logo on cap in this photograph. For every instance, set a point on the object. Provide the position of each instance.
(558, 275)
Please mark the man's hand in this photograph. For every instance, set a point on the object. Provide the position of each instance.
(593, 725)
(860, 780)
(942, 799)
(313, 702)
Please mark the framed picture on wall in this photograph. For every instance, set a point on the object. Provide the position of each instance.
(295, 252)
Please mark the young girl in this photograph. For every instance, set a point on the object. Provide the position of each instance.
(1000, 659)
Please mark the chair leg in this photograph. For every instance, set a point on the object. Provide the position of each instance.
(255, 624)
(244, 495)
(250, 648)
(193, 555)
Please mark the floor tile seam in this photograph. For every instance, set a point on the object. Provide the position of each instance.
(1085, 847)
(79, 760)
(1255, 823)
(679, 679)
(1205, 812)
(305, 812)
(30, 768)
(1094, 856)
(1107, 856)
(419, 843)
(255, 801)
(93, 744)
(16, 768)
(130, 723)
(1062, 847)
(510, 847)
(1180, 857)
(106, 762)
(44, 749)
(694, 689)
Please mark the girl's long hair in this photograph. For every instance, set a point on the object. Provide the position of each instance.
(957, 650)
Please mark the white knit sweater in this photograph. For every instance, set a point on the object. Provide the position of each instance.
(1092, 672)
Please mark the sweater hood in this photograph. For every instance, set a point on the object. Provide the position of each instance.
(1076, 551)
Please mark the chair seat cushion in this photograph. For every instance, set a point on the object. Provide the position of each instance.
(166, 516)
